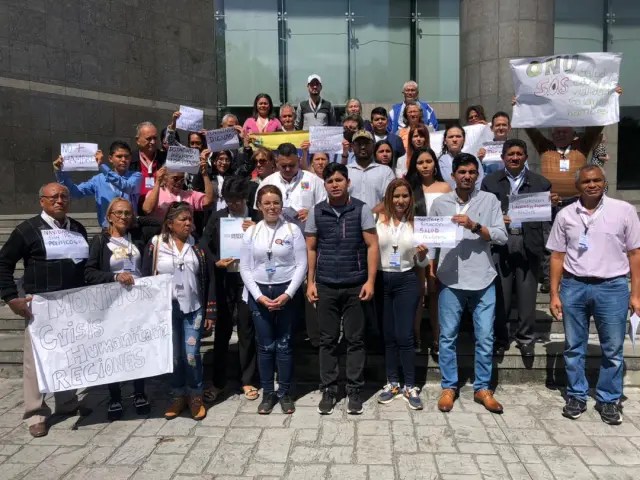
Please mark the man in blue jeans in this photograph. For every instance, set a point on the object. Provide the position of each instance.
(466, 273)
(594, 245)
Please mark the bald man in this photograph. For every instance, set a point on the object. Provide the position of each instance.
(28, 243)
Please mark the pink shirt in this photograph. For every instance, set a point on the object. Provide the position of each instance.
(165, 197)
(612, 232)
(251, 126)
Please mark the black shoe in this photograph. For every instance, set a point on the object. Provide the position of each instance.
(499, 348)
(115, 410)
(142, 404)
(327, 402)
(354, 406)
(527, 349)
(287, 405)
(574, 408)
(545, 287)
(610, 413)
(269, 401)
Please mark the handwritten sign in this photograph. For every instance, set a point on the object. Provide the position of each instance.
(435, 232)
(181, 159)
(231, 235)
(192, 119)
(79, 157)
(493, 153)
(222, 139)
(566, 90)
(61, 244)
(475, 135)
(530, 207)
(79, 339)
(325, 139)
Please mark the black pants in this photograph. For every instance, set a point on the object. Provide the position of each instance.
(116, 394)
(337, 304)
(517, 270)
(230, 306)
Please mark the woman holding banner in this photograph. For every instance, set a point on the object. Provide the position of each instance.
(175, 252)
(401, 286)
(262, 120)
(115, 255)
(427, 184)
(273, 264)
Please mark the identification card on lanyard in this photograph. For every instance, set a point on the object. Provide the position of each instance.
(565, 164)
(587, 222)
(394, 258)
(270, 264)
(149, 182)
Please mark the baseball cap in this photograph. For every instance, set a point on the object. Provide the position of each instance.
(314, 76)
(362, 134)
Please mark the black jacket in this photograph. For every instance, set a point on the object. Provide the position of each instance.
(40, 275)
(498, 184)
(98, 269)
(210, 240)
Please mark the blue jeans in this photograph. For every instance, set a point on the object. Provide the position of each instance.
(273, 339)
(400, 300)
(187, 361)
(451, 304)
(608, 302)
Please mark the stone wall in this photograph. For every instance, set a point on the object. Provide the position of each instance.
(90, 71)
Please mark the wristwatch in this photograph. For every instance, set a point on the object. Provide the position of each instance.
(476, 228)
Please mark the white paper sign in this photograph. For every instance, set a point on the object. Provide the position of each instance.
(475, 136)
(530, 207)
(325, 139)
(61, 244)
(493, 152)
(435, 232)
(635, 320)
(191, 120)
(231, 235)
(79, 157)
(181, 159)
(102, 334)
(566, 90)
(222, 139)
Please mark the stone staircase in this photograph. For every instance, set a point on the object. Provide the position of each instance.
(546, 366)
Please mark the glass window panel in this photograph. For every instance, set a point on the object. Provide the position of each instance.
(380, 49)
(317, 43)
(624, 37)
(579, 26)
(251, 50)
(438, 50)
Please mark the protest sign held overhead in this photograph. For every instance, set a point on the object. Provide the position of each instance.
(181, 159)
(80, 340)
(325, 139)
(566, 90)
(192, 119)
(79, 157)
(222, 139)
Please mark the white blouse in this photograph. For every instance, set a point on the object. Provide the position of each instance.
(272, 256)
(184, 266)
(125, 256)
(402, 237)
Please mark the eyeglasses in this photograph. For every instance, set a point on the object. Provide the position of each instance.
(122, 213)
(63, 197)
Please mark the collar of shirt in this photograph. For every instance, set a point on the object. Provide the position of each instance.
(459, 201)
(147, 162)
(245, 213)
(357, 166)
(517, 181)
(294, 180)
(582, 210)
(53, 223)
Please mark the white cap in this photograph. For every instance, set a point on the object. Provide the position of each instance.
(312, 77)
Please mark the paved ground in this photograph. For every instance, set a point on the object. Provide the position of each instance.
(530, 441)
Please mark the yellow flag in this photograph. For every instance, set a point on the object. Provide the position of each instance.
(273, 140)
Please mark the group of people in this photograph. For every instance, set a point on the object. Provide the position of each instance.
(329, 238)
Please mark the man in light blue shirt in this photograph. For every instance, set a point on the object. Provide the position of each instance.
(466, 273)
(108, 184)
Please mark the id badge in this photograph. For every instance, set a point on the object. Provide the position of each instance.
(270, 267)
(584, 241)
(394, 259)
(129, 266)
(149, 182)
(564, 165)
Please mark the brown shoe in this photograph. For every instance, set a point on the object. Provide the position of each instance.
(486, 398)
(447, 397)
(38, 430)
(175, 409)
(198, 412)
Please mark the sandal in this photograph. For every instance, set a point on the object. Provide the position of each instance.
(211, 394)
(250, 392)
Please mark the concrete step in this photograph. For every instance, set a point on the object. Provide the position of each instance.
(88, 219)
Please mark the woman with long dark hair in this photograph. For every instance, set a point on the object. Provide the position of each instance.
(262, 119)
(383, 154)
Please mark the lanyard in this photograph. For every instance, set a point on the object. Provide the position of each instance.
(147, 164)
(292, 186)
(588, 220)
(516, 182)
(273, 237)
(315, 108)
(395, 234)
(564, 151)
(460, 210)
(185, 249)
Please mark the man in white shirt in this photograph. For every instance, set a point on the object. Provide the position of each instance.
(301, 190)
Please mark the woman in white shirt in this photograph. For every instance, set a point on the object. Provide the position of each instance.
(175, 252)
(273, 264)
(398, 261)
(427, 184)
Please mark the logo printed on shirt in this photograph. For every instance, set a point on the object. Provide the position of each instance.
(305, 185)
(283, 241)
